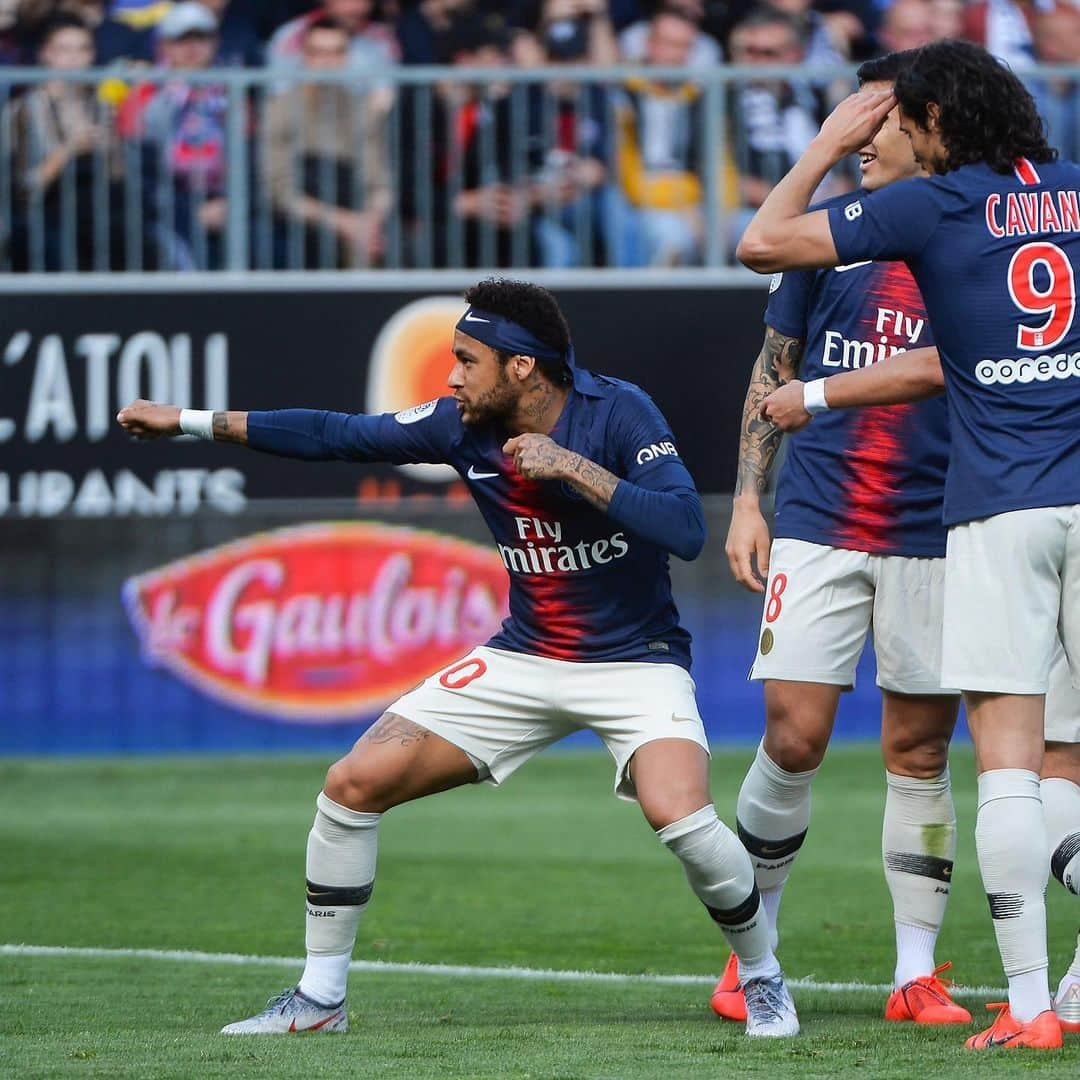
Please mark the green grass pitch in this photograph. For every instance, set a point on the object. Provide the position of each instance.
(552, 872)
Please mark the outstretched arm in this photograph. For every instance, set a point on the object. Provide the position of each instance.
(896, 380)
(417, 434)
(782, 235)
(759, 440)
(149, 420)
(672, 519)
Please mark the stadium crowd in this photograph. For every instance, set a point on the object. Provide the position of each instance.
(370, 171)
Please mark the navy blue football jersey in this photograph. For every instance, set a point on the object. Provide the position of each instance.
(582, 587)
(995, 258)
(863, 479)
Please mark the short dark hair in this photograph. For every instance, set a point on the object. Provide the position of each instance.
(324, 22)
(763, 15)
(885, 68)
(986, 112)
(529, 306)
(62, 20)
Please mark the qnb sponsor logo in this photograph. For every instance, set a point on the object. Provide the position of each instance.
(321, 621)
(544, 552)
(655, 450)
(1028, 369)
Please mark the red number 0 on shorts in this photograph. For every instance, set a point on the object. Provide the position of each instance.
(775, 605)
(462, 674)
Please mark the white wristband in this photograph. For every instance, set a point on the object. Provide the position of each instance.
(814, 397)
(198, 422)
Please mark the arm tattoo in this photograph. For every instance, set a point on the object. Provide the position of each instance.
(390, 728)
(229, 428)
(777, 363)
(593, 482)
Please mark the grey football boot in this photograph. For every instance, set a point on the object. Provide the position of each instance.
(291, 1012)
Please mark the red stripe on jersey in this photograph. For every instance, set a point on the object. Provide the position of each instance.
(1026, 172)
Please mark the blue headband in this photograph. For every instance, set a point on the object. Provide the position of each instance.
(509, 337)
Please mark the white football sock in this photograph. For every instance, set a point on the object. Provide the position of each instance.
(773, 814)
(341, 853)
(1061, 804)
(722, 878)
(1010, 839)
(1073, 974)
(918, 845)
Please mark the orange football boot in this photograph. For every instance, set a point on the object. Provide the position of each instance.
(926, 1000)
(727, 999)
(1042, 1033)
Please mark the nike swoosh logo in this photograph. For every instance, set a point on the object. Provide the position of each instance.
(682, 719)
(321, 1023)
(474, 475)
(470, 317)
(852, 266)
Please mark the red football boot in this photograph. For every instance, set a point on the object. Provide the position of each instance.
(727, 999)
(926, 1000)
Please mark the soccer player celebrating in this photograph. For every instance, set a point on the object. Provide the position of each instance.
(859, 542)
(992, 239)
(914, 377)
(578, 478)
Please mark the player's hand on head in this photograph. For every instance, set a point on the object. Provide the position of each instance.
(748, 540)
(536, 457)
(148, 419)
(856, 120)
(785, 407)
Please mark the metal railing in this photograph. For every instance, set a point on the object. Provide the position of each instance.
(411, 168)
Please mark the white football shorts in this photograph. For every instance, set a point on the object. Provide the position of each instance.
(503, 707)
(822, 601)
(1012, 585)
(1062, 722)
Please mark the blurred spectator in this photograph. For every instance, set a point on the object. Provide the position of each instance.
(577, 29)
(705, 52)
(907, 24)
(11, 33)
(69, 202)
(468, 152)
(947, 19)
(659, 131)
(772, 120)
(239, 44)
(113, 39)
(326, 162)
(372, 44)
(1004, 27)
(184, 126)
(1057, 41)
(422, 25)
(826, 40)
(578, 218)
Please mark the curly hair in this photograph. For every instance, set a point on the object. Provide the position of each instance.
(532, 307)
(986, 113)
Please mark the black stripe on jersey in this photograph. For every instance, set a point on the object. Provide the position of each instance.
(769, 849)
(907, 862)
(339, 895)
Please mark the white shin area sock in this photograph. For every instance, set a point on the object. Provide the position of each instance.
(1010, 839)
(918, 845)
(1061, 804)
(773, 814)
(341, 854)
(719, 871)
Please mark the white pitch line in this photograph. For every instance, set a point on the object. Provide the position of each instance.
(460, 971)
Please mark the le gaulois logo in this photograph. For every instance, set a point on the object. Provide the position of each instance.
(319, 621)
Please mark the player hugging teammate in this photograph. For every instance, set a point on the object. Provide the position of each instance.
(1002, 303)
